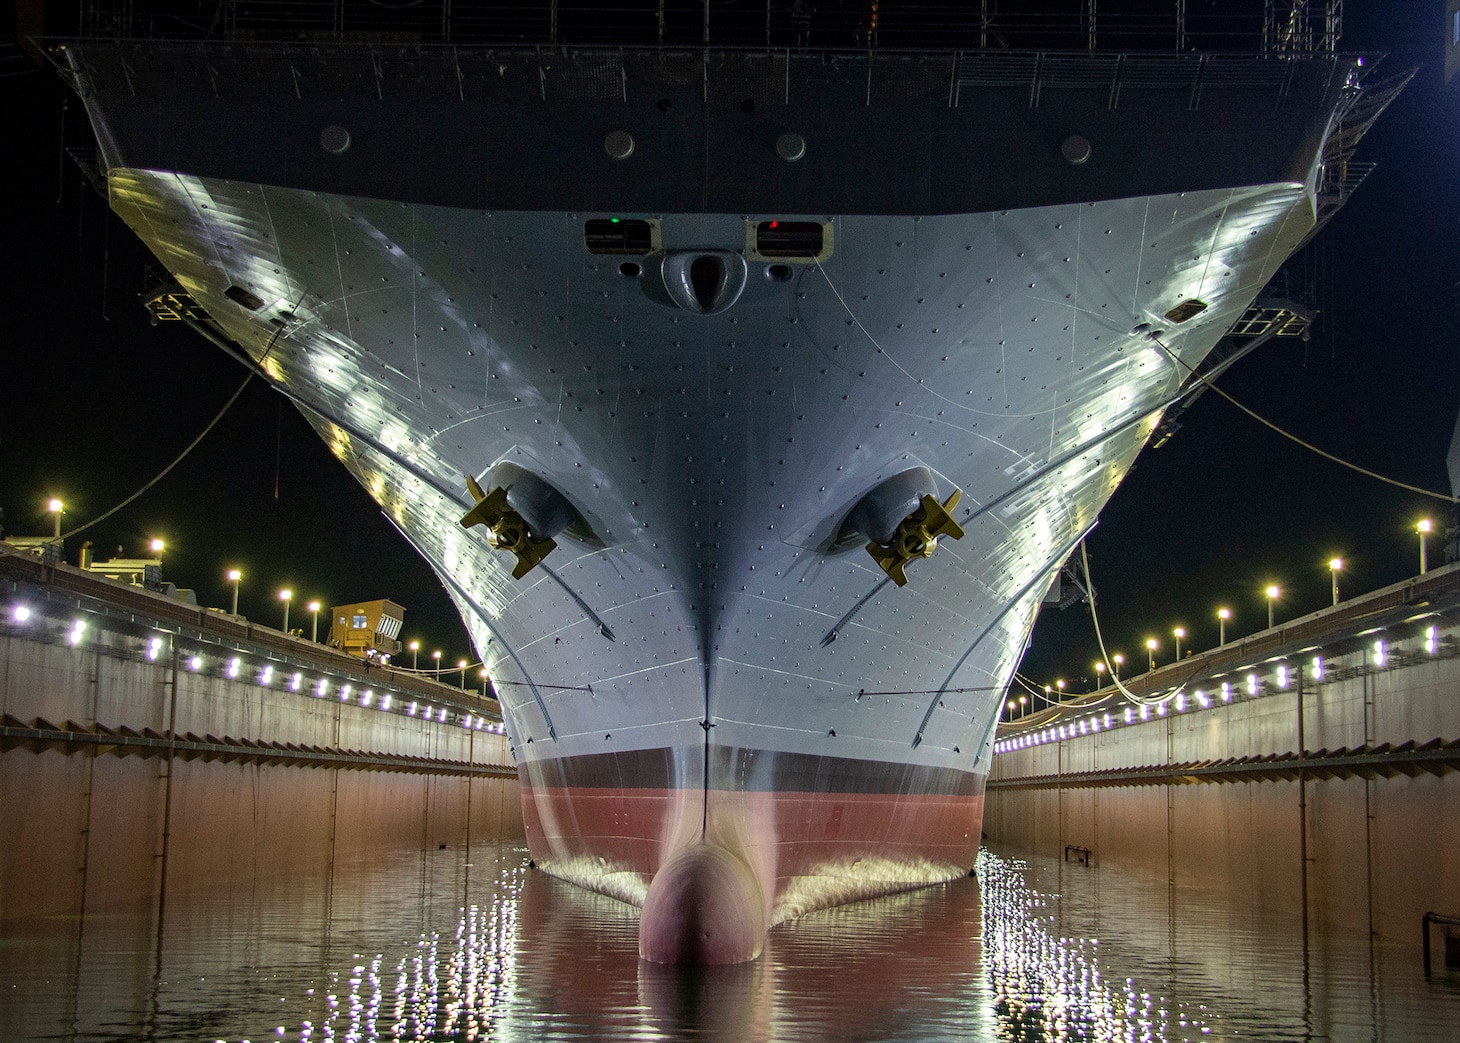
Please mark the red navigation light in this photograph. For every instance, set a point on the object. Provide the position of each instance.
(775, 223)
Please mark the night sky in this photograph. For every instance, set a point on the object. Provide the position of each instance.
(94, 402)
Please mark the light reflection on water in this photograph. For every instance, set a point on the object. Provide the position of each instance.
(423, 946)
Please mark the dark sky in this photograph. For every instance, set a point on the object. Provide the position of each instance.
(94, 402)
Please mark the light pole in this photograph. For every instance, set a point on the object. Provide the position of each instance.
(234, 577)
(1060, 685)
(415, 647)
(1009, 710)
(1023, 703)
(1116, 662)
(1099, 676)
(56, 507)
(313, 607)
(1223, 614)
(1334, 565)
(157, 546)
(1178, 633)
(1151, 645)
(436, 655)
(1272, 593)
(484, 682)
(461, 665)
(286, 596)
(1423, 527)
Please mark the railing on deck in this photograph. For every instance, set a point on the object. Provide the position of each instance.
(1274, 26)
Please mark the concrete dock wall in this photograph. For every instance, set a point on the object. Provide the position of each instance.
(1325, 781)
(133, 767)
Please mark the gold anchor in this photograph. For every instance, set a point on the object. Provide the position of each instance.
(917, 536)
(508, 529)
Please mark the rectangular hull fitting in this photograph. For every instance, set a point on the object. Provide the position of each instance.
(1002, 303)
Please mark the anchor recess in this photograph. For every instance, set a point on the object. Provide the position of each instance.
(508, 530)
(916, 536)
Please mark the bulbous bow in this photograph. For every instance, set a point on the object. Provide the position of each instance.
(704, 906)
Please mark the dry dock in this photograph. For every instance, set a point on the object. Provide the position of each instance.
(1311, 766)
(149, 746)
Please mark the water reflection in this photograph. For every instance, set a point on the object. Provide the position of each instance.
(432, 945)
(1097, 953)
(1050, 986)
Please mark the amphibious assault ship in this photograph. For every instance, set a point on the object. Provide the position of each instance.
(747, 391)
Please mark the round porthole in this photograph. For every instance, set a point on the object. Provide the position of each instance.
(1076, 149)
(334, 139)
(619, 144)
(790, 146)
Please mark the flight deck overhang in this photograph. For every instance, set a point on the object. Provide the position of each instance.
(765, 132)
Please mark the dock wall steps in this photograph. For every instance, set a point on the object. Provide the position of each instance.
(1435, 757)
(39, 735)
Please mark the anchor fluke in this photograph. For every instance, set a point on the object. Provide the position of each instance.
(916, 536)
(508, 530)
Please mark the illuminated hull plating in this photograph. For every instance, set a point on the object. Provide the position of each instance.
(722, 709)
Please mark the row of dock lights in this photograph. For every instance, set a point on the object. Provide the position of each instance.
(1272, 593)
(267, 677)
(1380, 652)
(1153, 645)
(56, 507)
(233, 668)
(462, 665)
(286, 597)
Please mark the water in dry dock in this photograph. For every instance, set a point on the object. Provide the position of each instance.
(434, 945)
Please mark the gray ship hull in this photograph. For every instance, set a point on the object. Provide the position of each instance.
(722, 708)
